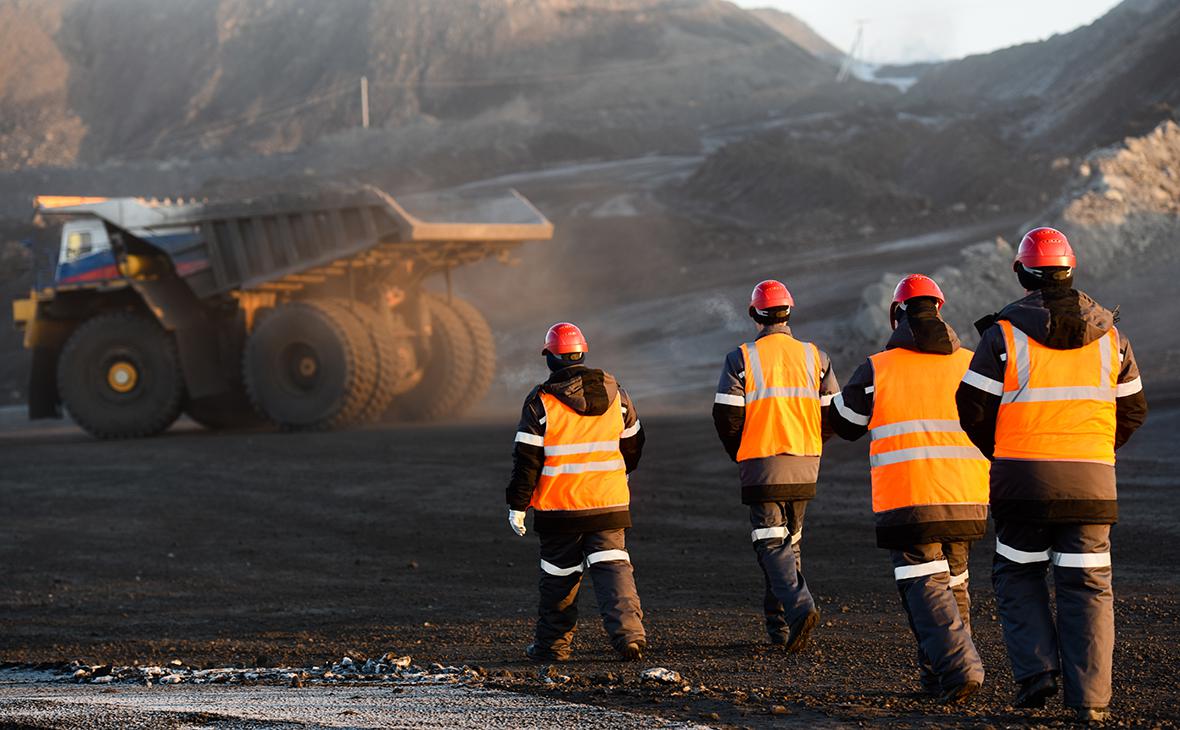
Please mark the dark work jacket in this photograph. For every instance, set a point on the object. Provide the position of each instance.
(1048, 491)
(853, 409)
(586, 391)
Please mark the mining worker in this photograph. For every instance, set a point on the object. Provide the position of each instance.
(770, 414)
(578, 439)
(1053, 390)
(930, 484)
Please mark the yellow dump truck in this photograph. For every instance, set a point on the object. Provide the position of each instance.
(307, 311)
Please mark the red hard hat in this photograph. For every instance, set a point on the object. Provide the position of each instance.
(564, 338)
(1045, 247)
(917, 285)
(770, 294)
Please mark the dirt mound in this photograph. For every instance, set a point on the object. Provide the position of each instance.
(871, 170)
(1121, 211)
(140, 79)
(1113, 78)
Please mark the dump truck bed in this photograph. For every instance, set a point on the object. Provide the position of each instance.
(257, 243)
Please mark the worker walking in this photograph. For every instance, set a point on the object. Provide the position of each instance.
(1052, 392)
(578, 439)
(770, 414)
(930, 485)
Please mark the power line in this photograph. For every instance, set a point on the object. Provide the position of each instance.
(248, 119)
(291, 108)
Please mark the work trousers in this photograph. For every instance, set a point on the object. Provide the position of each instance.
(776, 534)
(564, 558)
(932, 580)
(1080, 646)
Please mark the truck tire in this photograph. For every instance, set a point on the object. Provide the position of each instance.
(447, 369)
(368, 355)
(390, 365)
(308, 366)
(119, 376)
(484, 342)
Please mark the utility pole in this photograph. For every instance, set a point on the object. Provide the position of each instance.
(850, 59)
(365, 102)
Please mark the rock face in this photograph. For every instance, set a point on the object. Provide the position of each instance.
(1121, 212)
(84, 81)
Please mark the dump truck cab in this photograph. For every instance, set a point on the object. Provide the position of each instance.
(309, 311)
(85, 254)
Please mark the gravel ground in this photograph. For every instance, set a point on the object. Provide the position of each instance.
(242, 708)
(297, 549)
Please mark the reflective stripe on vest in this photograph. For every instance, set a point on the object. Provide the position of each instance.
(920, 454)
(584, 468)
(782, 398)
(1058, 405)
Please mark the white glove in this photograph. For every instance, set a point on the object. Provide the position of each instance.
(516, 521)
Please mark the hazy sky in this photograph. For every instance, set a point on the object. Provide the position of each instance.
(917, 30)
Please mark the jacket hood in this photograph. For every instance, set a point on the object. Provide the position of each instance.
(924, 333)
(586, 390)
(781, 328)
(1060, 318)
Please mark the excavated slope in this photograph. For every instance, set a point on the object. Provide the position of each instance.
(985, 135)
(37, 126)
(137, 78)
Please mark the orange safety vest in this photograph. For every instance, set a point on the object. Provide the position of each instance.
(920, 455)
(782, 398)
(584, 468)
(1058, 405)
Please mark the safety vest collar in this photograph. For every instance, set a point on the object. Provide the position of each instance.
(757, 389)
(1021, 391)
(774, 329)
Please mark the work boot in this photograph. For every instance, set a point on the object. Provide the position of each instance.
(778, 639)
(960, 694)
(1091, 715)
(1035, 690)
(541, 655)
(801, 631)
(633, 651)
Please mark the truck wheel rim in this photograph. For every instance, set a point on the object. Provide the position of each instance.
(122, 377)
(302, 366)
(307, 367)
